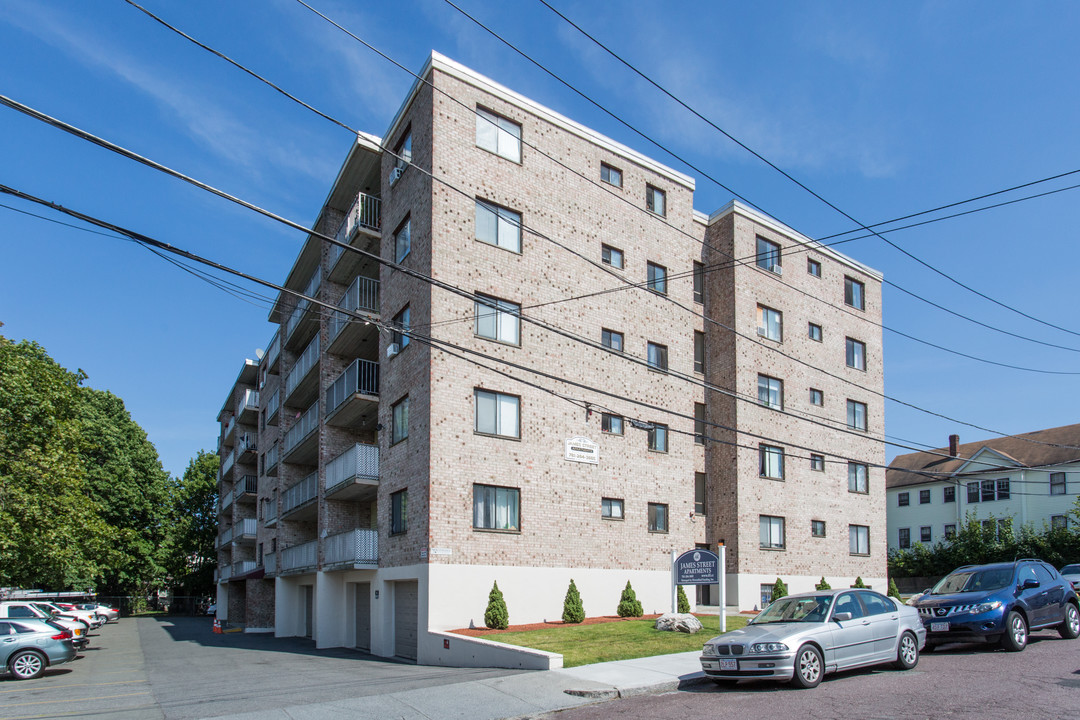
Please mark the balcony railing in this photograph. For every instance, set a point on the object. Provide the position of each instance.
(228, 427)
(365, 212)
(354, 547)
(225, 537)
(247, 485)
(303, 427)
(271, 459)
(300, 493)
(270, 563)
(304, 363)
(224, 573)
(226, 500)
(359, 461)
(242, 567)
(227, 463)
(245, 443)
(273, 351)
(270, 511)
(363, 294)
(302, 305)
(272, 405)
(362, 376)
(249, 400)
(299, 556)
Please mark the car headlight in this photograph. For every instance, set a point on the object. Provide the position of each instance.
(987, 607)
(771, 647)
(709, 649)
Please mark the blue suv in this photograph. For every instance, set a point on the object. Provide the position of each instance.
(999, 602)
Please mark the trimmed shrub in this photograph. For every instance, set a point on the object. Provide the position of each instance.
(779, 590)
(572, 609)
(859, 583)
(823, 585)
(628, 603)
(683, 603)
(893, 590)
(496, 617)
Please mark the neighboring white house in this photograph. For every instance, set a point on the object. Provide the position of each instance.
(1031, 478)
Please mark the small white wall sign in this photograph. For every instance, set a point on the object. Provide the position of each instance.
(583, 450)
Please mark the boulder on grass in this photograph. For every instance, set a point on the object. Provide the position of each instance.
(680, 622)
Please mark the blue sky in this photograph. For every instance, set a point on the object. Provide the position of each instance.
(883, 108)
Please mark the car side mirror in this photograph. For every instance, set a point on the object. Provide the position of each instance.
(841, 617)
(1030, 583)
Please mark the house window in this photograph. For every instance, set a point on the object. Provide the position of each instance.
(817, 462)
(813, 267)
(611, 256)
(498, 135)
(924, 534)
(611, 508)
(498, 226)
(770, 323)
(815, 333)
(771, 532)
(854, 293)
(988, 490)
(770, 392)
(497, 319)
(611, 175)
(699, 351)
(856, 354)
(657, 357)
(655, 200)
(950, 532)
(857, 478)
(905, 538)
(403, 240)
(400, 336)
(399, 503)
(657, 278)
(948, 494)
(903, 499)
(403, 153)
(1059, 522)
(858, 539)
(817, 397)
(658, 518)
(699, 423)
(496, 508)
(699, 282)
(1057, 483)
(700, 506)
(497, 414)
(856, 415)
(1003, 489)
(611, 424)
(658, 437)
(611, 339)
(924, 497)
(400, 427)
(973, 492)
(817, 528)
(771, 462)
(768, 255)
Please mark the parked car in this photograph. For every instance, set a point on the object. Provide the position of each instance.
(211, 609)
(1000, 602)
(1072, 574)
(107, 614)
(27, 647)
(92, 621)
(802, 637)
(17, 610)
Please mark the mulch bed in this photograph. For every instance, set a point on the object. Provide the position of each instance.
(479, 632)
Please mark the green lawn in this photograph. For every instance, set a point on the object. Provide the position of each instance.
(587, 644)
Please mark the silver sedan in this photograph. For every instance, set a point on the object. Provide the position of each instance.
(802, 637)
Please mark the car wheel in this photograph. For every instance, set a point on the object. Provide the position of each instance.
(809, 667)
(1016, 632)
(907, 654)
(1070, 626)
(26, 665)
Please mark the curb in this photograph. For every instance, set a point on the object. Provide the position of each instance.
(640, 690)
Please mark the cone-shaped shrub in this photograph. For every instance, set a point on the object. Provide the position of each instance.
(893, 590)
(779, 590)
(823, 585)
(683, 603)
(628, 603)
(496, 616)
(859, 583)
(572, 609)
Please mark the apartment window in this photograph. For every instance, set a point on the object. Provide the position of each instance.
(856, 354)
(498, 319)
(497, 414)
(771, 532)
(699, 351)
(770, 392)
(611, 256)
(611, 424)
(1057, 483)
(858, 539)
(496, 508)
(399, 503)
(771, 462)
(403, 151)
(973, 492)
(813, 267)
(657, 278)
(658, 437)
(857, 478)
(655, 200)
(611, 339)
(817, 397)
(611, 175)
(815, 333)
(657, 357)
(1003, 489)
(950, 532)
(658, 517)
(817, 528)
(856, 415)
(924, 497)
(400, 323)
(924, 534)
(817, 462)
(499, 135)
(905, 538)
(948, 494)
(699, 423)
(903, 499)
(611, 508)
(498, 226)
(770, 323)
(700, 506)
(768, 255)
(699, 282)
(403, 240)
(854, 293)
(1059, 522)
(988, 490)
(400, 428)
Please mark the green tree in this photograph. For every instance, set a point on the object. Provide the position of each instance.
(682, 602)
(859, 583)
(779, 590)
(893, 590)
(573, 611)
(629, 606)
(823, 585)
(496, 617)
(190, 556)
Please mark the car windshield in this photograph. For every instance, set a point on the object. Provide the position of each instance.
(974, 581)
(806, 608)
(1071, 570)
(45, 609)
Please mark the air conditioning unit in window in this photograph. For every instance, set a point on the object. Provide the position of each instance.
(777, 269)
(396, 173)
(761, 331)
(392, 350)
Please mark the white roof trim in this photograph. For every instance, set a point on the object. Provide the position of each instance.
(701, 217)
(1006, 462)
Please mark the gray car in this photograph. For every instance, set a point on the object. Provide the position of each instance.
(802, 637)
(27, 647)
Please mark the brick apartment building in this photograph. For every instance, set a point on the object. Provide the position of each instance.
(374, 484)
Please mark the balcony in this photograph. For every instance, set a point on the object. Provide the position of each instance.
(270, 461)
(226, 501)
(356, 549)
(298, 502)
(246, 447)
(227, 430)
(242, 567)
(246, 488)
(272, 407)
(270, 512)
(299, 558)
(224, 538)
(247, 409)
(349, 335)
(227, 463)
(302, 440)
(353, 399)
(301, 384)
(273, 353)
(224, 573)
(354, 474)
(361, 230)
(270, 564)
(303, 321)
(244, 531)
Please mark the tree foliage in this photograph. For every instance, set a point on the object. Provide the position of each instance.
(629, 605)
(823, 585)
(496, 617)
(573, 611)
(779, 590)
(681, 601)
(190, 556)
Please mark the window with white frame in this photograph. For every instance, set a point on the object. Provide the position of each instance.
(771, 532)
(611, 424)
(656, 275)
(858, 539)
(498, 226)
(611, 508)
(612, 256)
(854, 293)
(497, 414)
(817, 462)
(399, 429)
(973, 492)
(658, 517)
(655, 200)
(497, 134)
(989, 491)
(658, 437)
(1057, 483)
(657, 357)
(1003, 489)
(399, 335)
(700, 483)
(496, 508)
(770, 392)
(857, 478)
(611, 175)
(771, 462)
(856, 354)
(768, 255)
(611, 339)
(817, 397)
(399, 506)
(856, 415)
(770, 323)
(498, 319)
(403, 240)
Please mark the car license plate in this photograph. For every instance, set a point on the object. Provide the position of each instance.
(939, 627)
(729, 664)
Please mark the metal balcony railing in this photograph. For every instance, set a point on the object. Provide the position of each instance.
(270, 563)
(271, 460)
(299, 556)
(270, 511)
(249, 400)
(247, 485)
(225, 537)
(358, 461)
(355, 546)
(304, 363)
(224, 573)
(302, 306)
(227, 463)
(241, 567)
(362, 376)
(363, 294)
(273, 350)
(303, 427)
(273, 404)
(246, 527)
(365, 212)
(246, 442)
(226, 500)
(300, 493)
(228, 427)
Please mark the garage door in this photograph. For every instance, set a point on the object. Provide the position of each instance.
(363, 616)
(406, 609)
